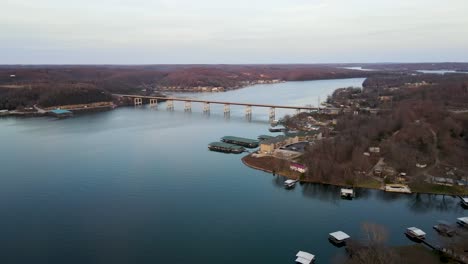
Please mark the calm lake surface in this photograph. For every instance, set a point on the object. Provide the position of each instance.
(138, 185)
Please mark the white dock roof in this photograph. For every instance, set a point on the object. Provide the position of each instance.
(347, 191)
(339, 235)
(289, 181)
(417, 231)
(304, 257)
(463, 219)
(465, 200)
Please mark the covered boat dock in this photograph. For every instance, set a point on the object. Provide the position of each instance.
(245, 142)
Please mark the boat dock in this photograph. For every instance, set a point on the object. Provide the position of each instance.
(264, 137)
(225, 147)
(244, 142)
(398, 188)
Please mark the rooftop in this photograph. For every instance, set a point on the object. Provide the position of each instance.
(339, 235)
(241, 139)
(304, 257)
(416, 231)
(225, 145)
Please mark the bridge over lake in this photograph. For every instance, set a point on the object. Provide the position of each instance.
(153, 102)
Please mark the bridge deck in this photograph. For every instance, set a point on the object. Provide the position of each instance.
(221, 102)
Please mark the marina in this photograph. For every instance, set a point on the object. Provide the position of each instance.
(225, 147)
(244, 142)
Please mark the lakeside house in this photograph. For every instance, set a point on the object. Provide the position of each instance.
(268, 146)
(298, 167)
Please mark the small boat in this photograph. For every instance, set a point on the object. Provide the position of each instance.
(338, 237)
(415, 233)
(304, 257)
(290, 183)
(347, 193)
(444, 228)
(463, 221)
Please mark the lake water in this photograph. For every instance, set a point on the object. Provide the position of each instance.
(138, 185)
(440, 71)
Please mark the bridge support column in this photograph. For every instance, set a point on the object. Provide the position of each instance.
(248, 110)
(170, 105)
(138, 101)
(188, 106)
(272, 114)
(206, 107)
(298, 111)
(153, 102)
(227, 108)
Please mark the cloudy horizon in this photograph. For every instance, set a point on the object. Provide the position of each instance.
(228, 32)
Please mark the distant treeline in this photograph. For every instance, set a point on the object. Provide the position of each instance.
(22, 86)
(19, 98)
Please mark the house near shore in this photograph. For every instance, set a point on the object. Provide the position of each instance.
(268, 146)
(298, 167)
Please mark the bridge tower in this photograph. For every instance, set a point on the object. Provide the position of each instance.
(138, 101)
(206, 107)
(170, 105)
(153, 102)
(272, 113)
(188, 106)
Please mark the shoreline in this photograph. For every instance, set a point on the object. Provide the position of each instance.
(246, 163)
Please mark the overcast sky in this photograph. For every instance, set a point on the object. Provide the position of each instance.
(232, 31)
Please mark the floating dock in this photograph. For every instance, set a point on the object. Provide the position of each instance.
(244, 142)
(225, 147)
(264, 137)
(398, 188)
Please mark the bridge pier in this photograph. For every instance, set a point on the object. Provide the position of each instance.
(170, 105)
(248, 110)
(138, 101)
(227, 108)
(188, 106)
(206, 107)
(153, 102)
(272, 113)
(298, 111)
